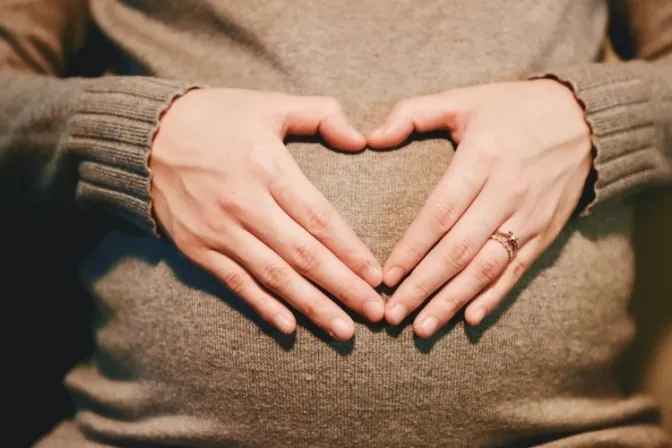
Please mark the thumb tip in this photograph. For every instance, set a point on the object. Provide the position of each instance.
(357, 140)
(349, 141)
(378, 137)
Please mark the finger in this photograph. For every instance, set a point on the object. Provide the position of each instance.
(485, 268)
(310, 209)
(452, 254)
(449, 200)
(419, 114)
(311, 259)
(308, 115)
(275, 274)
(244, 286)
(490, 298)
(486, 302)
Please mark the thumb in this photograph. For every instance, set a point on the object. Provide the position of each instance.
(420, 114)
(309, 115)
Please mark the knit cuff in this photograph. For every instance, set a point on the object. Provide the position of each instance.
(111, 133)
(617, 103)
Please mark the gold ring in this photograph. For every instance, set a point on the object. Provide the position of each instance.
(509, 240)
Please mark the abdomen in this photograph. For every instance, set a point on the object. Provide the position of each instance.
(182, 360)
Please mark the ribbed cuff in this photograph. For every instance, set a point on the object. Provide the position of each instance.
(112, 133)
(617, 101)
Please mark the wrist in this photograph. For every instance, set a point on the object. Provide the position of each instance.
(580, 116)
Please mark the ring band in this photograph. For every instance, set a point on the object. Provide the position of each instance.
(509, 240)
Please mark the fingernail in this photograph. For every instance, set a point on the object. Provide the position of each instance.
(283, 323)
(429, 325)
(397, 314)
(372, 274)
(393, 276)
(340, 329)
(478, 315)
(374, 309)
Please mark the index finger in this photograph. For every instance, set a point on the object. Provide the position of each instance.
(309, 208)
(450, 199)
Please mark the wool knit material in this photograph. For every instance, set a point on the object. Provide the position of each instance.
(181, 361)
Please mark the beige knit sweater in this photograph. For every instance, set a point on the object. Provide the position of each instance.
(180, 361)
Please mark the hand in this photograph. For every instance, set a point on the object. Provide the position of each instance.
(232, 199)
(523, 156)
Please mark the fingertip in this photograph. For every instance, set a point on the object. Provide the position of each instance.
(374, 309)
(475, 315)
(338, 132)
(284, 323)
(383, 138)
(373, 274)
(374, 136)
(392, 133)
(395, 314)
(342, 329)
(357, 141)
(420, 331)
(344, 138)
(393, 276)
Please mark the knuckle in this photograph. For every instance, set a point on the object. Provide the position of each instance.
(275, 277)
(552, 230)
(235, 282)
(314, 309)
(402, 108)
(519, 268)
(347, 295)
(487, 270)
(459, 254)
(280, 189)
(260, 164)
(486, 151)
(317, 219)
(192, 240)
(449, 306)
(355, 259)
(305, 259)
(444, 215)
(332, 105)
(471, 179)
(413, 255)
(358, 264)
(487, 156)
(232, 204)
(421, 290)
(404, 104)
(550, 227)
(519, 191)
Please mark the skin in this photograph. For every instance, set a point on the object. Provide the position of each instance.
(523, 156)
(246, 213)
(229, 195)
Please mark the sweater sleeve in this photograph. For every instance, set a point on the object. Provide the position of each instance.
(84, 141)
(628, 104)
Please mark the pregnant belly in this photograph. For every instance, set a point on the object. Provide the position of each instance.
(180, 360)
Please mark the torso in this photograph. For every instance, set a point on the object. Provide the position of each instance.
(180, 359)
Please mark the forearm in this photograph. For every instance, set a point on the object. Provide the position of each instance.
(628, 104)
(82, 140)
(85, 141)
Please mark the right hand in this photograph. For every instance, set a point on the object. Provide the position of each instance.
(230, 196)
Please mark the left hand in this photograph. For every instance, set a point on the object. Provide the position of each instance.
(523, 156)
